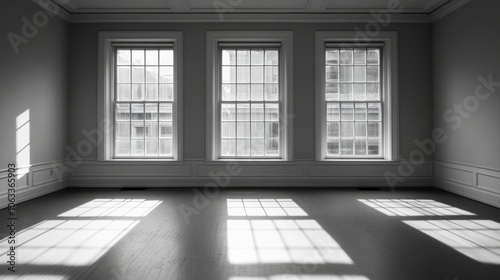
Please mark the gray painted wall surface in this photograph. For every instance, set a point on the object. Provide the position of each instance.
(415, 61)
(466, 46)
(36, 79)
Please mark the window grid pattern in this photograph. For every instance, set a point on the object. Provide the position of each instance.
(250, 103)
(264, 207)
(144, 102)
(353, 102)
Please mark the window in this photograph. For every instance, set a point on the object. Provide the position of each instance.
(249, 91)
(140, 95)
(356, 82)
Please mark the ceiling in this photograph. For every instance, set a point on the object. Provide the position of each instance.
(253, 10)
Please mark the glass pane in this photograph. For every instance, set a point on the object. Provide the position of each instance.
(272, 112)
(374, 129)
(332, 56)
(257, 112)
(228, 148)
(166, 74)
(372, 92)
(346, 73)
(333, 112)
(137, 147)
(137, 130)
(243, 74)
(228, 74)
(360, 112)
(152, 147)
(166, 57)
(243, 57)
(123, 130)
(373, 56)
(166, 112)
(360, 129)
(374, 112)
(257, 57)
(333, 129)
(137, 57)
(137, 112)
(122, 147)
(228, 57)
(151, 57)
(166, 130)
(347, 147)
(122, 112)
(137, 74)
(152, 112)
(257, 129)
(123, 75)
(372, 74)
(165, 147)
(332, 74)
(359, 56)
(228, 92)
(346, 57)
(257, 147)
(332, 147)
(257, 74)
(359, 92)
(272, 147)
(272, 57)
(257, 92)
(272, 74)
(373, 147)
(152, 92)
(228, 112)
(123, 92)
(332, 91)
(360, 147)
(243, 130)
(359, 73)
(243, 147)
(166, 92)
(345, 92)
(272, 130)
(243, 112)
(151, 130)
(347, 111)
(228, 130)
(271, 92)
(151, 74)
(243, 92)
(123, 57)
(347, 129)
(137, 92)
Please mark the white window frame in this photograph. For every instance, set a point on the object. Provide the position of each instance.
(105, 73)
(389, 93)
(285, 38)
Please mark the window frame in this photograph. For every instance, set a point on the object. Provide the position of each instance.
(106, 91)
(251, 38)
(389, 90)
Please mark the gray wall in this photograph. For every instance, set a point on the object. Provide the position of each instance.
(415, 80)
(36, 78)
(466, 46)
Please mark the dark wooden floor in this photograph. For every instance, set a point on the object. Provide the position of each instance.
(163, 246)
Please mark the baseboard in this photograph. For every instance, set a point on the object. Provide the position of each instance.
(474, 182)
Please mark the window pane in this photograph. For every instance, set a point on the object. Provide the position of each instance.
(271, 92)
(152, 112)
(137, 130)
(166, 112)
(272, 147)
(346, 147)
(257, 112)
(272, 74)
(372, 74)
(345, 92)
(272, 112)
(151, 130)
(346, 57)
(165, 147)
(166, 92)
(374, 129)
(372, 92)
(243, 92)
(243, 112)
(151, 74)
(228, 112)
(137, 147)
(137, 92)
(123, 75)
(137, 112)
(360, 112)
(152, 147)
(166, 130)
(360, 129)
(166, 74)
(123, 92)
(359, 92)
(346, 73)
(243, 147)
(257, 57)
(152, 57)
(228, 147)
(122, 112)
(360, 147)
(257, 130)
(123, 130)
(166, 57)
(332, 147)
(373, 147)
(374, 112)
(243, 130)
(373, 56)
(228, 130)
(137, 57)
(359, 56)
(347, 113)
(347, 130)
(257, 92)
(272, 130)
(333, 112)
(359, 73)
(243, 57)
(257, 74)
(123, 57)
(333, 129)
(122, 147)
(152, 92)
(257, 147)
(332, 57)
(332, 91)
(272, 57)
(228, 57)
(243, 74)
(332, 74)
(228, 74)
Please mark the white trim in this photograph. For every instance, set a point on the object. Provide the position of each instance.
(390, 86)
(286, 86)
(105, 74)
(447, 9)
(430, 5)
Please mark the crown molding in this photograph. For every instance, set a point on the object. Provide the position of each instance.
(447, 9)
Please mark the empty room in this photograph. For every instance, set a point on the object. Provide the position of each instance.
(250, 140)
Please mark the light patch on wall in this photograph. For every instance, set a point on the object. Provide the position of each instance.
(282, 241)
(23, 143)
(414, 207)
(113, 208)
(33, 277)
(68, 242)
(264, 207)
(477, 239)
(303, 277)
